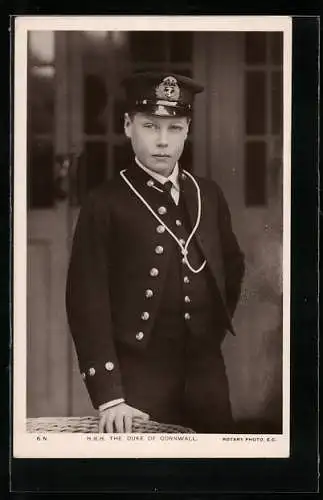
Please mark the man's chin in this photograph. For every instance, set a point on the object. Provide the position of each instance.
(163, 166)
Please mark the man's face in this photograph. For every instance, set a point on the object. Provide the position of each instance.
(157, 142)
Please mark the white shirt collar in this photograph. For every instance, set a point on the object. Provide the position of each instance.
(160, 178)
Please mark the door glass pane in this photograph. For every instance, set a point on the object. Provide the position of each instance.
(40, 173)
(276, 48)
(184, 72)
(41, 94)
(255, 48)
(119, 110)
(95, 104)
(92, 167)
(123, 157)
(40, 119)
(256, 102)
(186, 160)
(255, 173)
(181, 46)
(147, 46)
(41, 47)
(277, 102)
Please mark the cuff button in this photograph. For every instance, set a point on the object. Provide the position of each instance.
(109, 366)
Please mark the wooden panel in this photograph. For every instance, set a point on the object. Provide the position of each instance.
(225, 114)
(201, 104)
(48, 385)
(38, 329)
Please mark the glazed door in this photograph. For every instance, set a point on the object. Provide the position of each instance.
(54, 149)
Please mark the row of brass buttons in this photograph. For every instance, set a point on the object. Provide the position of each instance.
(154, 272)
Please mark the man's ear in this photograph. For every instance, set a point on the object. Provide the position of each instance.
(127, 125)
(188, 126)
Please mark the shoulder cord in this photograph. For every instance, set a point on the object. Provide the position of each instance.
(184, 248)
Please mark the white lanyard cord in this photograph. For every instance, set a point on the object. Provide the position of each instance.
(182, 247)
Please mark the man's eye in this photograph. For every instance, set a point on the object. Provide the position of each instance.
(148, 125)
(176, 127)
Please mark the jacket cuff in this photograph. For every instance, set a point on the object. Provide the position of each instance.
(110, 404)
(103, 383)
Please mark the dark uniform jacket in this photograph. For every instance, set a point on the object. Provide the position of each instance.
(113, 260)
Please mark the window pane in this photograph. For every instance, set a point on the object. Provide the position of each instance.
(95, 102)
(184, 72)
(41, 95)
(94, 39)
(40, 174)
(123, 157)
(186, 160)
(277, 102)
(255, 48)
(119, 110)
(276, 48)
(92, 167)
(147, 46)
(181, 46)
(255, 173)
(41, 47)
(255, 102)
(154, 66)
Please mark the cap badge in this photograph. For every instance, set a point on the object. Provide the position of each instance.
(168, 89)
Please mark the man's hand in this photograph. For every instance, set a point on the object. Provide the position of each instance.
(119, 418)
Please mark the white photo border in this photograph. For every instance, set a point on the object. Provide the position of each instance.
(27, 445)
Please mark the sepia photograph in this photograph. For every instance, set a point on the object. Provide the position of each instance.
(151, 237)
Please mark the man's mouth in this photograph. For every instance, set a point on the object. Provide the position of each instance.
(161, 156)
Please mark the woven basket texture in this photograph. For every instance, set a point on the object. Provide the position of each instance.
(91, 425)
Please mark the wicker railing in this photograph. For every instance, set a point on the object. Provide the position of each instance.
(91, 425)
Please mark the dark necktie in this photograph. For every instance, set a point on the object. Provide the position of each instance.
(168, 187)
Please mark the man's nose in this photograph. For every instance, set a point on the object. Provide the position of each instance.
(162, 138)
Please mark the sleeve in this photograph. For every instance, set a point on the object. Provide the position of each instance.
(233, 257)
(88, 303)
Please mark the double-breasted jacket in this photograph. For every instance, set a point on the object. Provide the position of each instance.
(119, 259)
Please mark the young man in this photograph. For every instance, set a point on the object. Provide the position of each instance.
(155, 275)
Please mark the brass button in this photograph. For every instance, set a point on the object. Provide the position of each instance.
(154, 272)
(159, 249)
(178, 222)
(183, 176)
(109, 366)
(160, 229)
(91, 372)
(183, 260)
(145, 316)
(187, 299)
(182, 241)
(162, 210)
(150, 183)
(139, 335)
(149, 293)
(83, 375)
(186, 279)
(187, 316)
